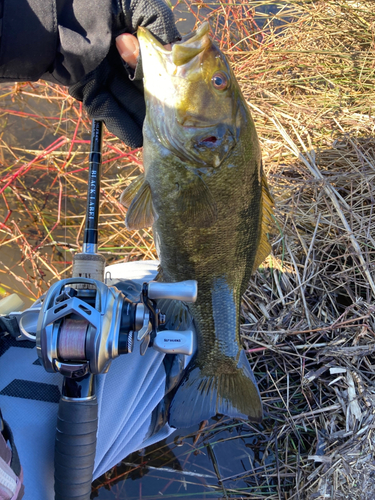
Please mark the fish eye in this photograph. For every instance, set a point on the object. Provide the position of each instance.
(220, 81)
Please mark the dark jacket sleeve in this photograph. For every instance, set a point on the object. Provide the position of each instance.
(63, 40)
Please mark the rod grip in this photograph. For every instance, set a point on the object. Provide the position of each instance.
(75, 446)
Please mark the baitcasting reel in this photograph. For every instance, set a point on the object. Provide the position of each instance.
(80, 330)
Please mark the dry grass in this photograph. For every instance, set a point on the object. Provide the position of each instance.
(43, 188)
(309, 311)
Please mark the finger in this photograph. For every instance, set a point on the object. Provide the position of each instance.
(128, 47)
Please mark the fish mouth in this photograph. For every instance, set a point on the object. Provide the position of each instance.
(182, 52)
(147, 40)
(191, 45)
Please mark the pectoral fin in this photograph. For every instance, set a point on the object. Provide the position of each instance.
(141, 212)
(177, 315)
(267, 203)
(196, 203)
(130, 192)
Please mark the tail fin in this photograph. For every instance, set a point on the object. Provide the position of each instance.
(201, 396)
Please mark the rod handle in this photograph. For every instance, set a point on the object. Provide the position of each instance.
(75, 446)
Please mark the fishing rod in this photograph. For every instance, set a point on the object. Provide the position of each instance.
(80, 325)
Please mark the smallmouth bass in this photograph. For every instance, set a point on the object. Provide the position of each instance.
(205, 194)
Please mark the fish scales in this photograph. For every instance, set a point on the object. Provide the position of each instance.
(206, 197)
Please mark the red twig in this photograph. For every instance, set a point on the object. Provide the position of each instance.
(74, 135)
(22, 170)
(58, 215)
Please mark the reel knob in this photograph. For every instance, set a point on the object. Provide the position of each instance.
(173, 342)
(186, 291)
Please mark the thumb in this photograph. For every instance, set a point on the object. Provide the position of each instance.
(128, 47)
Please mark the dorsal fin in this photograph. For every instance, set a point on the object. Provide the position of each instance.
(141, 212)
(267, 203)
(130, 192)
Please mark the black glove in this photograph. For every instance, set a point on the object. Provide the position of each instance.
(113, 92)
(109, 95)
